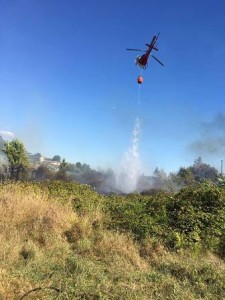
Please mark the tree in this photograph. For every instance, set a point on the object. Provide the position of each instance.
(61, 174)
(2, 143)
(4, 174)
(43, 173)
(63, 166)
(202, 171)
(159, 178)
(78, 165)
(56, 158)
(185, 177)
(17, 158)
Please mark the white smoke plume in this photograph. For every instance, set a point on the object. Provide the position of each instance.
(131, 169)
(7, 134)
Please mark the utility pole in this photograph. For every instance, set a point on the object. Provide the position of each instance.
(221, 169)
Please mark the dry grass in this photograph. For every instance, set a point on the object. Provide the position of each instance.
(23, 215)
(111, 246)
(37, 232)
(45, 243)
(31, 229)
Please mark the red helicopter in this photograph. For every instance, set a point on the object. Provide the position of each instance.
(142, 60)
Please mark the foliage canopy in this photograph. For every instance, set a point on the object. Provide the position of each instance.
(17, 158)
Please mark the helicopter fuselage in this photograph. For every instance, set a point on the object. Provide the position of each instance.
(142, 60)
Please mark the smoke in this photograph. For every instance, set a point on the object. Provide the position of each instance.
(7, 134)
(32, 135)
(130, 169)
(212, 138)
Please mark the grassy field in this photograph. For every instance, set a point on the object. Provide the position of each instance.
(64, 241)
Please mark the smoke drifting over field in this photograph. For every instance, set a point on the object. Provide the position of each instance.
(212, 138)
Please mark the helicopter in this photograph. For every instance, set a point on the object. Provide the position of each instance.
(142, 60)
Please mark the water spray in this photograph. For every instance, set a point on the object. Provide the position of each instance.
(131, 169)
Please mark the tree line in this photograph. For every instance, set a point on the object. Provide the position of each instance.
(20, 168)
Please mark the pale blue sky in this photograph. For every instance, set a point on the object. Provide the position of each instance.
(68, 86)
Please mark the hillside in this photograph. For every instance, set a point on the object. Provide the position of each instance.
(65, 241)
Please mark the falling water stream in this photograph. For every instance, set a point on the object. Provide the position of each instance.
(131, 167)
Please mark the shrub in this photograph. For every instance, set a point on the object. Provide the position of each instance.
(142, 215)
(197, 214)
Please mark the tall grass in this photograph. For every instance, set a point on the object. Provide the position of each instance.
(55, 244)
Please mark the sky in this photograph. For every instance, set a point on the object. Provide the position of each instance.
(68, 86)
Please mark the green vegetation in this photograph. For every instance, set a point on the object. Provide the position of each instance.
(17, 158)
(61, 174)
(62, 240)
(15, 165)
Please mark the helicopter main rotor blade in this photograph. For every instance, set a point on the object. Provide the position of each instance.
(157, 60)
(134, 50)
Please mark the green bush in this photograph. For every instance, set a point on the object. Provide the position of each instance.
(192, 218)
(142, 215)
(197, 214)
